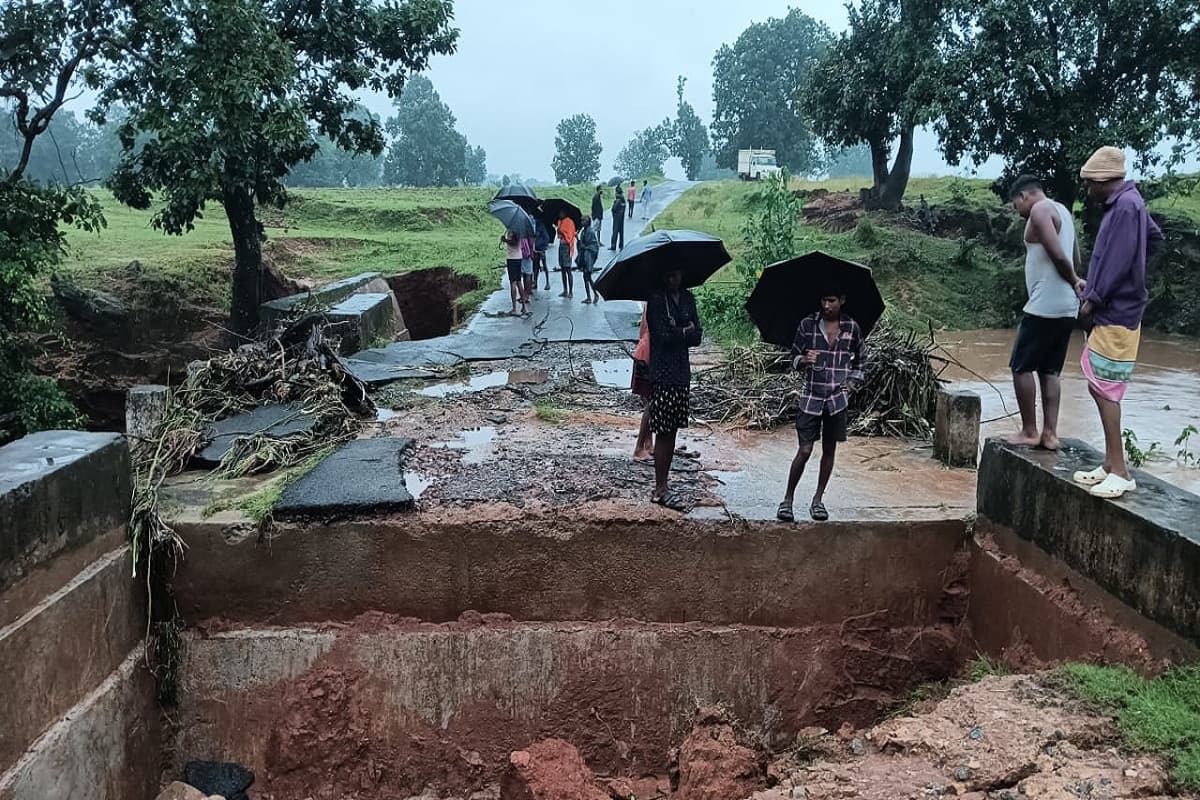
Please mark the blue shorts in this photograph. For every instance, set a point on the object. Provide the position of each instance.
(526, 266)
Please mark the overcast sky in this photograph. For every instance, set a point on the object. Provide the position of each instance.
(515, 75)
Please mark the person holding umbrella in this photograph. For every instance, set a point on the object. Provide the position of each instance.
(829, 349)
(674, 326)
(512, 243)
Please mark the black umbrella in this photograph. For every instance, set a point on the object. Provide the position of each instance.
(523, 196)
(637, 272)
(791, 290)
(512, 217)
(551, 208)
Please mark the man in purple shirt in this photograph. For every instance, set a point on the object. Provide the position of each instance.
(829, 349)
(1114, 299)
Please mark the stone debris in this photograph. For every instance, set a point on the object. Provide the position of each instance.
(180, 791)
(549, 770)
(224, 779)
(713, 764)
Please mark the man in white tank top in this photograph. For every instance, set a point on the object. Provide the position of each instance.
(1052, 279)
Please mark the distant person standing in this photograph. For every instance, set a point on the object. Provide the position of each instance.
(598, 211)
(645, 197)
(589, 251)
(541, 243)
(618, 215)
(512, 244)
(1114, 299)
(1054, 287)
(566, 252)
(632, 196)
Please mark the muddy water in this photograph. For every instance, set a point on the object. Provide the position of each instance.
(1162, 400)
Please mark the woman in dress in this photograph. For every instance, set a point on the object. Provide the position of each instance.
(674, 328)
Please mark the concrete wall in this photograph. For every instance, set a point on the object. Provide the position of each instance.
(79, 717)
(1143, 549)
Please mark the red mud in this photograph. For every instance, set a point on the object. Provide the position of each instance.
(549, 770)
(714, 765)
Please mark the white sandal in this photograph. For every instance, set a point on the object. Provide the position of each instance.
(1091, 477)
(1113, 487)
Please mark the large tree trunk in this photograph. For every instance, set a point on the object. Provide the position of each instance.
(247, 265)
(890, 184)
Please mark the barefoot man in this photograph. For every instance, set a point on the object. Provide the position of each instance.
(1115, 299)
(1054, 287)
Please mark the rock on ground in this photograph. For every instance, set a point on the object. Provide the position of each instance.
(182, 791)
(714, 765)
(549, 770)
(1005, 738)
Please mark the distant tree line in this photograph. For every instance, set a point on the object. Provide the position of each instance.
(1040, 84)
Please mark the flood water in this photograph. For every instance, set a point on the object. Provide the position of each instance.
(1163, 397)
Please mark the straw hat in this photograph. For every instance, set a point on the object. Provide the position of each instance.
(1106, 164)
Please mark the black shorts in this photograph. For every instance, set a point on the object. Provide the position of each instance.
(564, 257)
(514, 270)
(1041, 344)
(812, 428)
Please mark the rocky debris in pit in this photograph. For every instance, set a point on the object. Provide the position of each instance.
(1004, 738)
(182, 791)
(647, 788)
(551, 769)
(713, 764)
(220, 778)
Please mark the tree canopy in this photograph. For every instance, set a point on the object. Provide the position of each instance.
(227, 94)
(878, 83)
(849, 162)
(757, 87)
(1043, 84)
(643, 156)
(426, 149)
(576, 150)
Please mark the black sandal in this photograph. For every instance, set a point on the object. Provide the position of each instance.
(784, 513)
(818, 512)
(669, 499)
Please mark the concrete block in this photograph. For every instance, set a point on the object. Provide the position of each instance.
(144, 406)
(363, 318)
(60, 650)
(107, 747)
(956, 427)
(363, 476)
(1144, 549)
(59, 490)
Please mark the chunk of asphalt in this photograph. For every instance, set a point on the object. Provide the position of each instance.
(276, 421)
(361, 477)
(220, 778)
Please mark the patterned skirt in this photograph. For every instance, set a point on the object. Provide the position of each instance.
(669, 408)
(1108, 359)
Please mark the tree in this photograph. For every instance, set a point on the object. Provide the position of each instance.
(576, 150)
(426, 149)
(849, 162)
(476, 170)
(45, 49)
(709, 171)
(225, 91)
(689, 138)
(879, 83)
(330, 165)
(1043, 84)
(645, 153)
(757, 84)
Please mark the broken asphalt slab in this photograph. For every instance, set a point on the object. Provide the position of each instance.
(363, 476)
(275, 421)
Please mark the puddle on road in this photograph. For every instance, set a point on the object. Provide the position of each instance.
(615, 373)
(477, 444)
(384, 414)
(476, 383)
(416, 484)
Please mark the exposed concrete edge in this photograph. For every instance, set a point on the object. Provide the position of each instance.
(60, 649)
(1144, 548)
(106, 747)
(50, 576)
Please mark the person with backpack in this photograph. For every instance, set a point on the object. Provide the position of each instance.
(618, 213)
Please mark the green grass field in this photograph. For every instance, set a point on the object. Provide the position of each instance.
(322, 233)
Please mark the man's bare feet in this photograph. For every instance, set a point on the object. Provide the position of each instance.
(1023, 438)
(1049, 441)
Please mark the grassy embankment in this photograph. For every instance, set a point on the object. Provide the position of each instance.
(323, 234)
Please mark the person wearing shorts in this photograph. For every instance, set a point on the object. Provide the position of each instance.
(1054, 286)
(829, 349)
(512, 244)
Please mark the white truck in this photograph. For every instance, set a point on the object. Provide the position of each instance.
(756, 164)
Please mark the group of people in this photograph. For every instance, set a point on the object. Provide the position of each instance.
(623, 203)
(829, 348)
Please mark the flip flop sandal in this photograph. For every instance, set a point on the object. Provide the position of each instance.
(674, 502)
(645, 461)
(784, 513)
(818, 512)
(683, 452)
